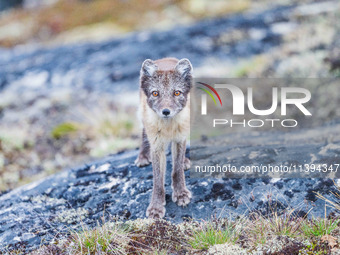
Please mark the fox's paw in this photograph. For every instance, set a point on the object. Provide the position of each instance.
(187, 164)
(142, 160)
(155, 211)
(182, 198)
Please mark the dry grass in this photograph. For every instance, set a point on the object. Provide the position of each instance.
(263, 228)
(335, 202)
(109, 238)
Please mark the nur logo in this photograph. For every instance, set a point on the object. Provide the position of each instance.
(239, 99)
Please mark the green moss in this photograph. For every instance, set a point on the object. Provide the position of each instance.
(64, 129)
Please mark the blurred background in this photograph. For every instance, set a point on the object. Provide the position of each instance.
(69, 68)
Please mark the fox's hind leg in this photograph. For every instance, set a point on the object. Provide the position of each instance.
(144, 156)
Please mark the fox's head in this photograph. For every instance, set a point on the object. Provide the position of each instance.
(166, 84)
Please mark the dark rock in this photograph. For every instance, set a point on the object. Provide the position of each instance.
(270, 207)
(299, 214)
(237, 186)
(233, 203)
(288, 193)
(311, 196)
(186, 217)
(279, 185)
(124, 214)
(217, 188)
(333, 58)
(266, 181)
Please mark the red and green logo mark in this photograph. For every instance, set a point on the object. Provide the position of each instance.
(209, 93)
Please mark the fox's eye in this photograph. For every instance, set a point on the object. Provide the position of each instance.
(155, 93)
(177, 93)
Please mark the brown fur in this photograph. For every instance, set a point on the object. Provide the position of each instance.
(166, 76)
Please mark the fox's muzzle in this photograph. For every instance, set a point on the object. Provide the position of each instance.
(166, 112)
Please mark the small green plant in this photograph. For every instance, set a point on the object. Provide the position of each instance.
(64, 129)
(214, 232)
(319, 227)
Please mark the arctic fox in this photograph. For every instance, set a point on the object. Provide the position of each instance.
(165, 110)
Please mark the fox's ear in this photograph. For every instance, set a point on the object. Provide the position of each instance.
(148, 68)
(184, 67)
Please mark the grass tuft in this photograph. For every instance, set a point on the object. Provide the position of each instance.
(214, 232)
(109, 238)
(319, 227)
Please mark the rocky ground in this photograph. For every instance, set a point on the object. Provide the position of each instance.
(50, 208)
(41, 88)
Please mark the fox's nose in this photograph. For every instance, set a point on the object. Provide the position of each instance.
(166, 112)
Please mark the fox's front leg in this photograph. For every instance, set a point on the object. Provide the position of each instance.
(180, 194)
(156, 208)
(144, 156)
